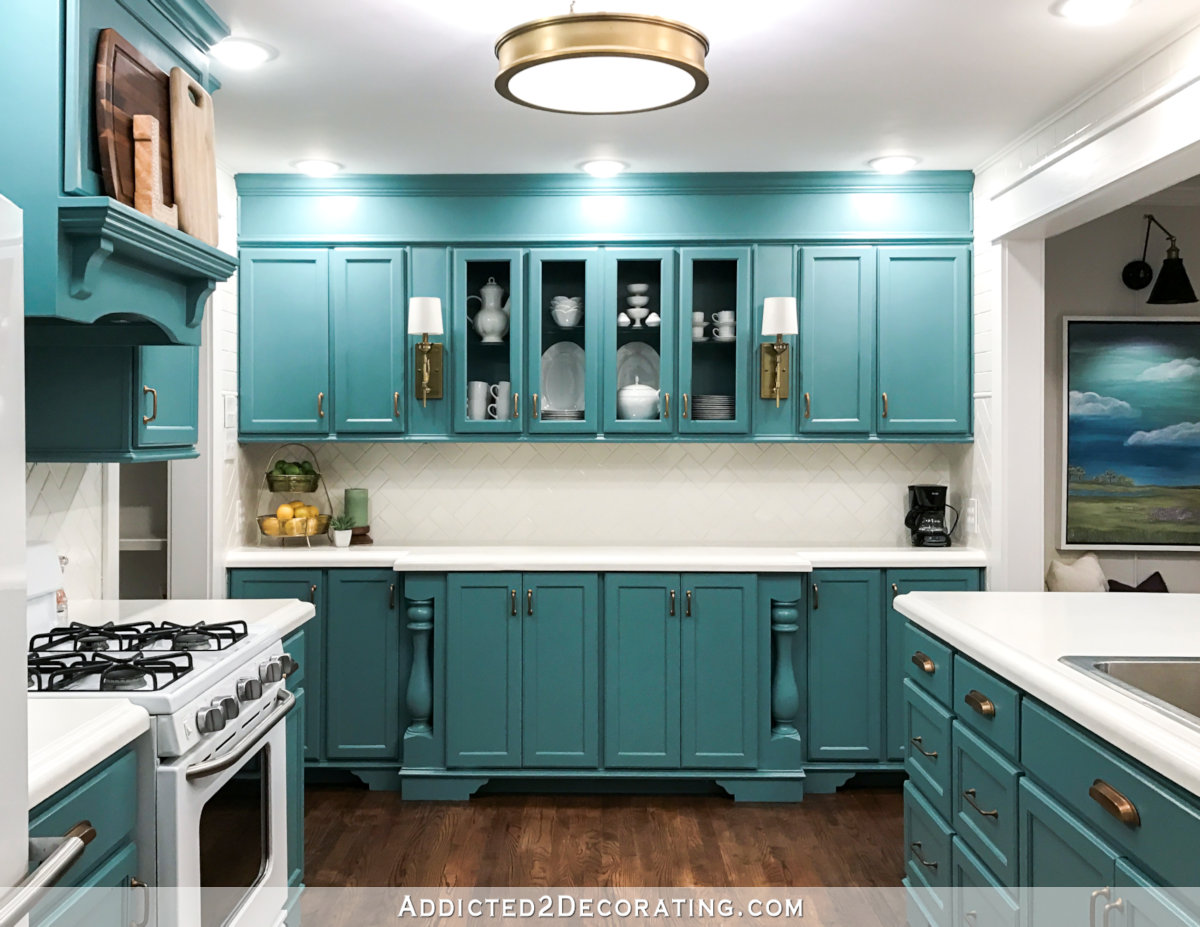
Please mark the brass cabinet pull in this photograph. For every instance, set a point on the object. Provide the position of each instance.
(895, 590)
(981, 703)
(514, 601)
(926, 665)
(969, 795)
(312, 593)
(667, 409)
(529, 601)
(1115, 803)
(916, 742)
(392, 596)
(1096, 896)
(916, 852)
(147, 419)
(672, 603)
(395, 405)
(516, 405)
(320, 405)
(808, 405)
(687, 613)
(885, 405)
(816, 596)
(535, 412)
(1117, 905)
(685, 404)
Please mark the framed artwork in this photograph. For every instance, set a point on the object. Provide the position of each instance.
(1131, 436)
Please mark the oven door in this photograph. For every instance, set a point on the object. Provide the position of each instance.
(222, 828)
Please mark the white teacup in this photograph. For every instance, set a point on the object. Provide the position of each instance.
(724, 331)
(697, 332)
(698, 318)
(725, 317)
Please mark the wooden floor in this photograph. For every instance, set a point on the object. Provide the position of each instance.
(356, 838)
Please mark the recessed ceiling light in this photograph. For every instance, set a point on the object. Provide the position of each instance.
(1092, 12)
(242, 54)
(894, 164)
(315, 167)
(603, 167)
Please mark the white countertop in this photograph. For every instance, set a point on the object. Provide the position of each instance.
(605, 558)
(68, 736)
(1022, 635)
(279, 616)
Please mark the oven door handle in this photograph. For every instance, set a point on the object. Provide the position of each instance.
(283, 705)
(58, 855)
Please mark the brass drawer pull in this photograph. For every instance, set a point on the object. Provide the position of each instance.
(513, 603)
(926, 665)
(916, 852)
(969, 795)
(688, 610)
(981, 703)
(808, 405)
(672, 603)
(1115, 803)
(395, 405)
(147, 419)
(885, 405)
(529, 601)
(916, 742)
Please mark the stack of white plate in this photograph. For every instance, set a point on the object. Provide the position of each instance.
(562, 415)
(713, 408)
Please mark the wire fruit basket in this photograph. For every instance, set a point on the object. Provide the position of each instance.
(294, 525)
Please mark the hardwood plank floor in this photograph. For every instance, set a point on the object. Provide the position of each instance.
(359, 838)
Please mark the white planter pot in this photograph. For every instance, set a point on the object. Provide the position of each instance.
(342, 538)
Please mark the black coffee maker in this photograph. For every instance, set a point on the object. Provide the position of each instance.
(926, 518)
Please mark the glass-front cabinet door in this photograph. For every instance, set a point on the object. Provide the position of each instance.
(565, 310)
(716, 340)
(639, 323)
(488, 318)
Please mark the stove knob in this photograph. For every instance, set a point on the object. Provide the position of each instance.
(210, 720)
(249, 690)
(288, 664)
(271, 671)
(228, 705)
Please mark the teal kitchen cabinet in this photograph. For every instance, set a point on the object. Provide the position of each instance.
(1139, 902)
(837, 340)
(367, 295)
(283, 341)
(713, 280)
(170, 388)
(565, 357)
(897, 658)
(637, 352)
(923, 336)
(845, 665)
(494, 358)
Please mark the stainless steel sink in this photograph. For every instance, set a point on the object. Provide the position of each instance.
(1170, 684)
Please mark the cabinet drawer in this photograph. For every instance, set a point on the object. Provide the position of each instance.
(927, 662)
(1163, 829)
(984, 799)
(98, 901)
(926, 857)
(986, 704)
(927, 756)
(980, 899)
(107, 797)
(295, 645)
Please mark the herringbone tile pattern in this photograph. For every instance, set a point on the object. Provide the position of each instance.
(62, 506)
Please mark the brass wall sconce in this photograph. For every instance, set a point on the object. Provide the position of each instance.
(1172, 286)
(779, 319)
(425, 319)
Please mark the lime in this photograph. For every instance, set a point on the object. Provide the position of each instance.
(292, 470)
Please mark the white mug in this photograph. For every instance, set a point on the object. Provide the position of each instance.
(477, 397)
(725, 317)
(698, 318)
(697, 332)
(501, 407)
(726, 331)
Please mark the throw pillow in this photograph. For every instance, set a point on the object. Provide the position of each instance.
(1152, 583)
(1084, 575)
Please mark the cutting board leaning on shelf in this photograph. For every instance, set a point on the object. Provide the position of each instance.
(195, 166)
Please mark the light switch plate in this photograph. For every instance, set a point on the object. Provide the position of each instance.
(231, 410)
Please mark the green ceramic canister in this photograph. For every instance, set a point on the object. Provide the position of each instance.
(356, 507)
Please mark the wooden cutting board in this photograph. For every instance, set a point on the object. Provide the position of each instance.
(128, 84)
(195, 164)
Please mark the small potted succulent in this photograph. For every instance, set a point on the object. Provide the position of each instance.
(341, 527)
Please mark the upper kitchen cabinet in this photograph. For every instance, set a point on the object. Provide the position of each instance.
(716, 340)
(924, 336)
(488, 324)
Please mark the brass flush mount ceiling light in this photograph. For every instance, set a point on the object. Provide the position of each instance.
(601, 63)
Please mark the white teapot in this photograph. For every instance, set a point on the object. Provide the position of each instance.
(637, 401)
(491, 321)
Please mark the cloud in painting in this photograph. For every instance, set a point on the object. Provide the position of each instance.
(1093, 405)
(1177, 369)
(1183, 434)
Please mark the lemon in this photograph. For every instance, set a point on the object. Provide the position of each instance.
(295, 503)
(285, 512)
(297, 526)
(270, 526)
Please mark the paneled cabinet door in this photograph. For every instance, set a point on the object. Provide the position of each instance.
(837, 340)
(641, 670)
(1145, 904)
(564, 355)
(719, 671)
(283, 341)
(638, 352)
(898, 582)
(366, 288)
(483, 670)
(924, 336)
(714, 366)
(168, 387)
(489, 340)
(362, 672)
(845, 648)
(560, 663)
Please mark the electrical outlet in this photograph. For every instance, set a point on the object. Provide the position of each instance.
(972, 516)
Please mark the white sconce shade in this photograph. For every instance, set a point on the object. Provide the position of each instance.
(425, 315)
(779, 316)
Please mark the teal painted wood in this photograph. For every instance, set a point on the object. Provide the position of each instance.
(362, 665)
(785, 693)
(295, 789)
(837, 340)
(928, 857)
(370, 337)
(642, 612)
(565, 272)
(419, 691)
(283, 342)
(560, 661)
(782, 608)
(1145, 904)
(845, 665)
(295, 645)
(93, 904)
(308, 586)
(719, 641)
(656, 267)
(989, 826)
(929, 758)
(924, 338)
(173, 408)
(488, 362)
(426, 602)
(483, 670)
(713, 280)
(936, 677)
(897, 658)
(774, 275)
(979, 893)
(1000, 726)
(1058, 851)
(430, 276)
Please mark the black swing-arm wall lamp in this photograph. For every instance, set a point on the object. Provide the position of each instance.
(1172, 286)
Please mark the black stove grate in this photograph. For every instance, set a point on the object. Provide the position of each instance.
(57, 672)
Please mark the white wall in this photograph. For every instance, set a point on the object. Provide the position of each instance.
(1083, 278)
(63, 506)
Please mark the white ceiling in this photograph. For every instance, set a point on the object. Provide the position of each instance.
(405, 86)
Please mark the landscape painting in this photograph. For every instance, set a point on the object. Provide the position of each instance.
(1132, 434)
